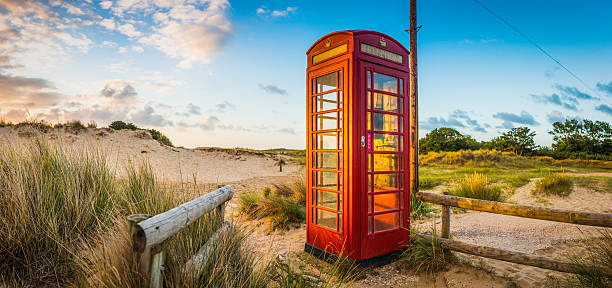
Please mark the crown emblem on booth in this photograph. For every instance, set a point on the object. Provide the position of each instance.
(383, 43)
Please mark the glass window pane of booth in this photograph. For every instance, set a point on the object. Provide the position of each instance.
(386, 142)
(386, 162)
(387, 201)
(329, 200)
(388, 103)
(384, 182)
(386, 221)
(326, 219)
(385, 83)
(327, 141)
(327, 82)
(328, 101)
(326, 121)
(386, 122)
(327, 160)
(328, 180)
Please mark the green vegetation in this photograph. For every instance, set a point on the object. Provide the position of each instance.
(446, 139)
(334, 272)
(41, 126)
(425, 256)
(477, 186)
(156, 135)
(518, 140)
(582, 139)
(282, 209)
(597, 183)
(120, 125)
(556, 184)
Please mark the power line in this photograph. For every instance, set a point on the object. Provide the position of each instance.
(536, 45)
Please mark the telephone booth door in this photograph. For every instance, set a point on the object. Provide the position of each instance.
(327, 194)
(385, 192)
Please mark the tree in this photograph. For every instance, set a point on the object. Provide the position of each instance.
(446, 139)
(518, 140)
(582, 137)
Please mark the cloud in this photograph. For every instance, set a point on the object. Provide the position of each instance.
(607, 88)
(122, 50)
(287, 130)
(128, 30)
(108, 23)
(456, 119)
(24, 92)
(209, 123)
(147, 116)
(556, 100)
(72, 9)
(264, 11)
(193, 109)
(118, 89)
(223, 107)
(108, 44)
(186, 32)
(272, 89)
(106, 4)
(573, 92)
(605, 109)
(510, 118)
(138, 49)
(555, 116)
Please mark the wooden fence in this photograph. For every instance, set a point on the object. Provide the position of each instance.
(542, 213)
(149, 232)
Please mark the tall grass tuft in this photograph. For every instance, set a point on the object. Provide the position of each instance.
(598, 253)
(49, 202)
(425, 256)
(477, 186)
(556, 184)
(418, 208)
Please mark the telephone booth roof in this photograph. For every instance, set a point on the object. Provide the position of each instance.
(397, 47)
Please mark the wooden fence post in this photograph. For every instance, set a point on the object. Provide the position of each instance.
(446, 220)
(144, 257)
(157, 267)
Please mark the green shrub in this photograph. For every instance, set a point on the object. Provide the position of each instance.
(92, 124)
(120, 125)
(266, 192)
(161, 138)
(41, 126)
(556, 184)
(477, 186)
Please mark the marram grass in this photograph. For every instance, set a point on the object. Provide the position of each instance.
(477, 186)
(555, 184)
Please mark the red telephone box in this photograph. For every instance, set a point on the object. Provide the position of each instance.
(358, 140)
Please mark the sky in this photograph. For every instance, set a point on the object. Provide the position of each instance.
(232, 73)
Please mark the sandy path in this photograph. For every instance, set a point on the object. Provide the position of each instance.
(527, 235)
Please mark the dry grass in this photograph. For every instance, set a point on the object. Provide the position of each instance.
(477, 186)
(62, 223)
(554, 184)
(425, 256)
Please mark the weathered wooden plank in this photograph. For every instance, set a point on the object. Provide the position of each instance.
(204, 252)
(543, 213)
(514, 257)
(155, 230)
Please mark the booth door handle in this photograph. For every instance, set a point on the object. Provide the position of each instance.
(363, 141)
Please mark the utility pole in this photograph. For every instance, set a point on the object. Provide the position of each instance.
(414, 101)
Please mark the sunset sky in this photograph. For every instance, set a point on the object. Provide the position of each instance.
(232, 73)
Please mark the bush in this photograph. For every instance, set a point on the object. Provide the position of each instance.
(477, 186)
(120, 125)
(41, 126)
(556, 184)
(161, 138)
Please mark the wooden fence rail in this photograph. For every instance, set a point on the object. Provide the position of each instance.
(149, 232)
(551, 214)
